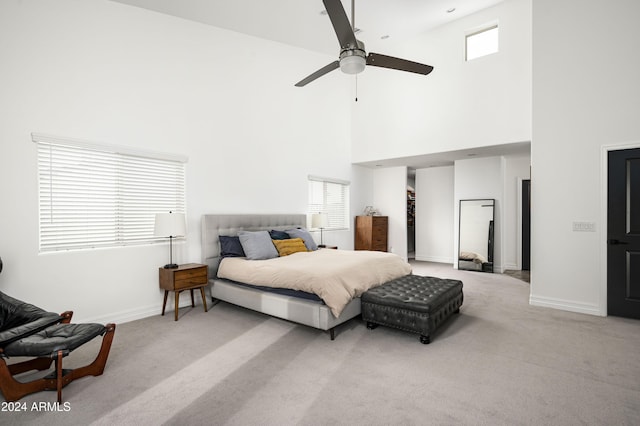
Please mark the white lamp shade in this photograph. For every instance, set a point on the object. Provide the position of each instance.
(170, 225)
(319, 220)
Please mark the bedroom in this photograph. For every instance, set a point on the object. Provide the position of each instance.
(102, 71)
(169, 86)
(242, 151)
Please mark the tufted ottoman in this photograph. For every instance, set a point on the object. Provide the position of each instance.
(412, 303)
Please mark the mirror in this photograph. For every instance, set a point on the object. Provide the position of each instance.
(475, 244)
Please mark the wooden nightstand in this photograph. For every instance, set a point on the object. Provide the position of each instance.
(185, 277)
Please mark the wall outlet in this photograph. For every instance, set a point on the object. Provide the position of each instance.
(584, 227)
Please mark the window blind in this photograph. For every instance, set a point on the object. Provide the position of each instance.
(330, 196)
(93, 196)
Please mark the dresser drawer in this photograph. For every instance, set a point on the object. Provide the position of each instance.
(371, 233)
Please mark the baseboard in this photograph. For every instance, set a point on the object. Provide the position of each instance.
(565, 305)
(436, 259)
(511, 267)
(143, 312)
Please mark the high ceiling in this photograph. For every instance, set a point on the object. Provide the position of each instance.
(303, 23)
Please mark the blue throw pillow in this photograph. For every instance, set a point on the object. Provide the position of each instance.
(306, 237)
(230, 247)
(279, 235)
(257, 245)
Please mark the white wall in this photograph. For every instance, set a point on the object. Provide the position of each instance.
(460, 104)
(586, 92)
(435, 214)
(107, 72)
(390, 199)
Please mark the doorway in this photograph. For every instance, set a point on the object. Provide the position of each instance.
(526, 224)
(623, 233)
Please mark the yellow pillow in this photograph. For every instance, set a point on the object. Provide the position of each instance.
(290, 246)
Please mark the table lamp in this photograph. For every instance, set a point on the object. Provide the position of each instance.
(170, 225)
(320, 220)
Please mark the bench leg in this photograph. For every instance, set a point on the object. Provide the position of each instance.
(425, 340)
(371, 325)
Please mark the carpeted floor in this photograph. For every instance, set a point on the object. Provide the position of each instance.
(499, 362)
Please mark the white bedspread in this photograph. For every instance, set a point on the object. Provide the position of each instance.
(336, 276)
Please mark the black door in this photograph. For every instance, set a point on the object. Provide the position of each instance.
(526, 225)
(623, 234)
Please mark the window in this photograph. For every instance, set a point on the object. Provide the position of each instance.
(330, 196)
(481, 43)
(94, 196)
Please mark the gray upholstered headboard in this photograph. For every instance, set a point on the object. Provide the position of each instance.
(214, 225)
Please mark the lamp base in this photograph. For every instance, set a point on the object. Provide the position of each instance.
(170, 266)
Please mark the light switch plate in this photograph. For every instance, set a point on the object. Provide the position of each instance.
(584, 227)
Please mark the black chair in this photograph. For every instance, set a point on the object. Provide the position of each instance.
(28, 331)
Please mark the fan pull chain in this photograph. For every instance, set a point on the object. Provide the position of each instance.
(356, 87)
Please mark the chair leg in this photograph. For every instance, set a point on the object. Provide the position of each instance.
(96, 368)
(33, 364)
(13, 390)
(59, 375)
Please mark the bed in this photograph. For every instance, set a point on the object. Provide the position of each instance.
(307, 310)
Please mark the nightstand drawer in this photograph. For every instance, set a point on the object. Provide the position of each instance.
(190, 277)
(185, 276)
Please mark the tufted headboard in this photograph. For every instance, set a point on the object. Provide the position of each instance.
(214, 225)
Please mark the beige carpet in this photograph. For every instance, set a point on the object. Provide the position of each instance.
(500, 362)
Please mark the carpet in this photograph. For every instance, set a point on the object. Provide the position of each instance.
(499, 362)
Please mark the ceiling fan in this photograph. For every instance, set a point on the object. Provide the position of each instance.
(353, 57)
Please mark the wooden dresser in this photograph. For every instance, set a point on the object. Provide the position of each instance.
(371, 233)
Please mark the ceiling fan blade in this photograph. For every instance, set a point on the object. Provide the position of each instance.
(322, 71)
(384, 61)
(340, 23)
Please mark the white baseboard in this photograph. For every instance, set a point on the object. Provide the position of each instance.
(565, 305)
(145, 311)
(511, 267)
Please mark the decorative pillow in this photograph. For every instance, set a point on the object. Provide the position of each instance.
(290, 246)
(230, 247)
(278, 235)
(306, 237)
(257, 245)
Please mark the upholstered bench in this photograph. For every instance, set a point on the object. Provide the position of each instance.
(412, 303)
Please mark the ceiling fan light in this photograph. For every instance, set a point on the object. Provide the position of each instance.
(352, 64)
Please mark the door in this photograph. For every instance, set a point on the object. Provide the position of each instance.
(526, 225)
(623, 233)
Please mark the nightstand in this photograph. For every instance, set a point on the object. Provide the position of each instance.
(185, 277)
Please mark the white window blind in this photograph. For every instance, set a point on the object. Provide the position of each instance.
(330, 196)
(94, 196)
